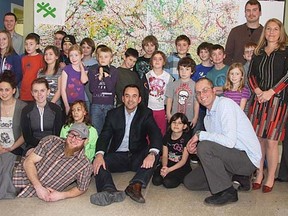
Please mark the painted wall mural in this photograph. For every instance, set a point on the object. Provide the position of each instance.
(121, 24)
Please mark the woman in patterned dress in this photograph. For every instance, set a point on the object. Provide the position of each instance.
(268, 78)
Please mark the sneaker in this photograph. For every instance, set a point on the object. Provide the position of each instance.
(224, 197)
(105, 198)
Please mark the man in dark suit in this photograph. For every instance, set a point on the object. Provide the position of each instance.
(122, 146)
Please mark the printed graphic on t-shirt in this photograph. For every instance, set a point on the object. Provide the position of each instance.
(6, 132)
(142, 68)
(183, 92)
(157, 88)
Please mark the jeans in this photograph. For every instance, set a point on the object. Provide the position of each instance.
(98, 114)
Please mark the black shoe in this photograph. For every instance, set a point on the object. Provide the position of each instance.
(244, 182)
(134, 192)
(194, 159)
(224, 197)
(107, 197)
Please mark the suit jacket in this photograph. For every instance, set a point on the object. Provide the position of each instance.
(142, 125)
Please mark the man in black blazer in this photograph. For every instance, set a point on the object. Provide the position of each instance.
(123, 146)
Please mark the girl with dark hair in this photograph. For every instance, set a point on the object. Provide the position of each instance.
(11, 137)
(175, 164)
(78, 113)
(52, 73)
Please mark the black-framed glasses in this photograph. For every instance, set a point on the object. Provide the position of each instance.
(76, 136)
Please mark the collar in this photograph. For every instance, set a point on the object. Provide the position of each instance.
(214, 106)
(130, 114)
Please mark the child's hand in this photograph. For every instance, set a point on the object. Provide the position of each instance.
(100, 77)
(62, 65)
(82, 69)
(164, 171)
(67, 109)
(193, 122)
(168, 115)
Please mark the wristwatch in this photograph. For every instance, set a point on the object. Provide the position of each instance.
(197, 133)
(153, 153)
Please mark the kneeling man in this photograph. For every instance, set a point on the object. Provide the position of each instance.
(229, 146)
(54, 165)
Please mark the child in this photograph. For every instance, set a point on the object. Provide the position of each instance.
(125, 75)
(180, 94)
(52, 73)
(201, 70)
(182, 43)
(88, 48)
(218, 73)
(102, 83)
(175, 164)
(9, 59)
(149, 46)
(78, 113)
(66, 43)
(248, 53)
(32, 62)
(234, 87)
(98, 50)
(155, 83)
(73, 78)
(58, 36)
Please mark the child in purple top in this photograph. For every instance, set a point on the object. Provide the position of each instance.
(102, 84)
(234, 87)
(73, 78)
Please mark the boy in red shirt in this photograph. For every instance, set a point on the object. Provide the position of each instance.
(32, 62)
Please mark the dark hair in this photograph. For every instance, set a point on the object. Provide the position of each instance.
(184, 38)
(132, 52)
(70, 119)
(216, 47)
(131, 86)
(10, 49)
(161, 53)
(183, 119)
(33, 36)
(60, 32)
(57, 63)
(187, 62)
(10, 14)
(150, 39)
(9, 77)
(68, 38)
(253, 2)
(36, 37)
(40, 80)
(208, 80)
(89, 42)
(204, 46)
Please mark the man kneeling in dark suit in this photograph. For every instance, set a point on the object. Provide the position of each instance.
(122, 146)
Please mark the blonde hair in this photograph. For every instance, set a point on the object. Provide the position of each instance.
(282, 41)
(228, 84)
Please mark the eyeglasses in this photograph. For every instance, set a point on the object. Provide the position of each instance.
(77, 137)
(204, 91)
